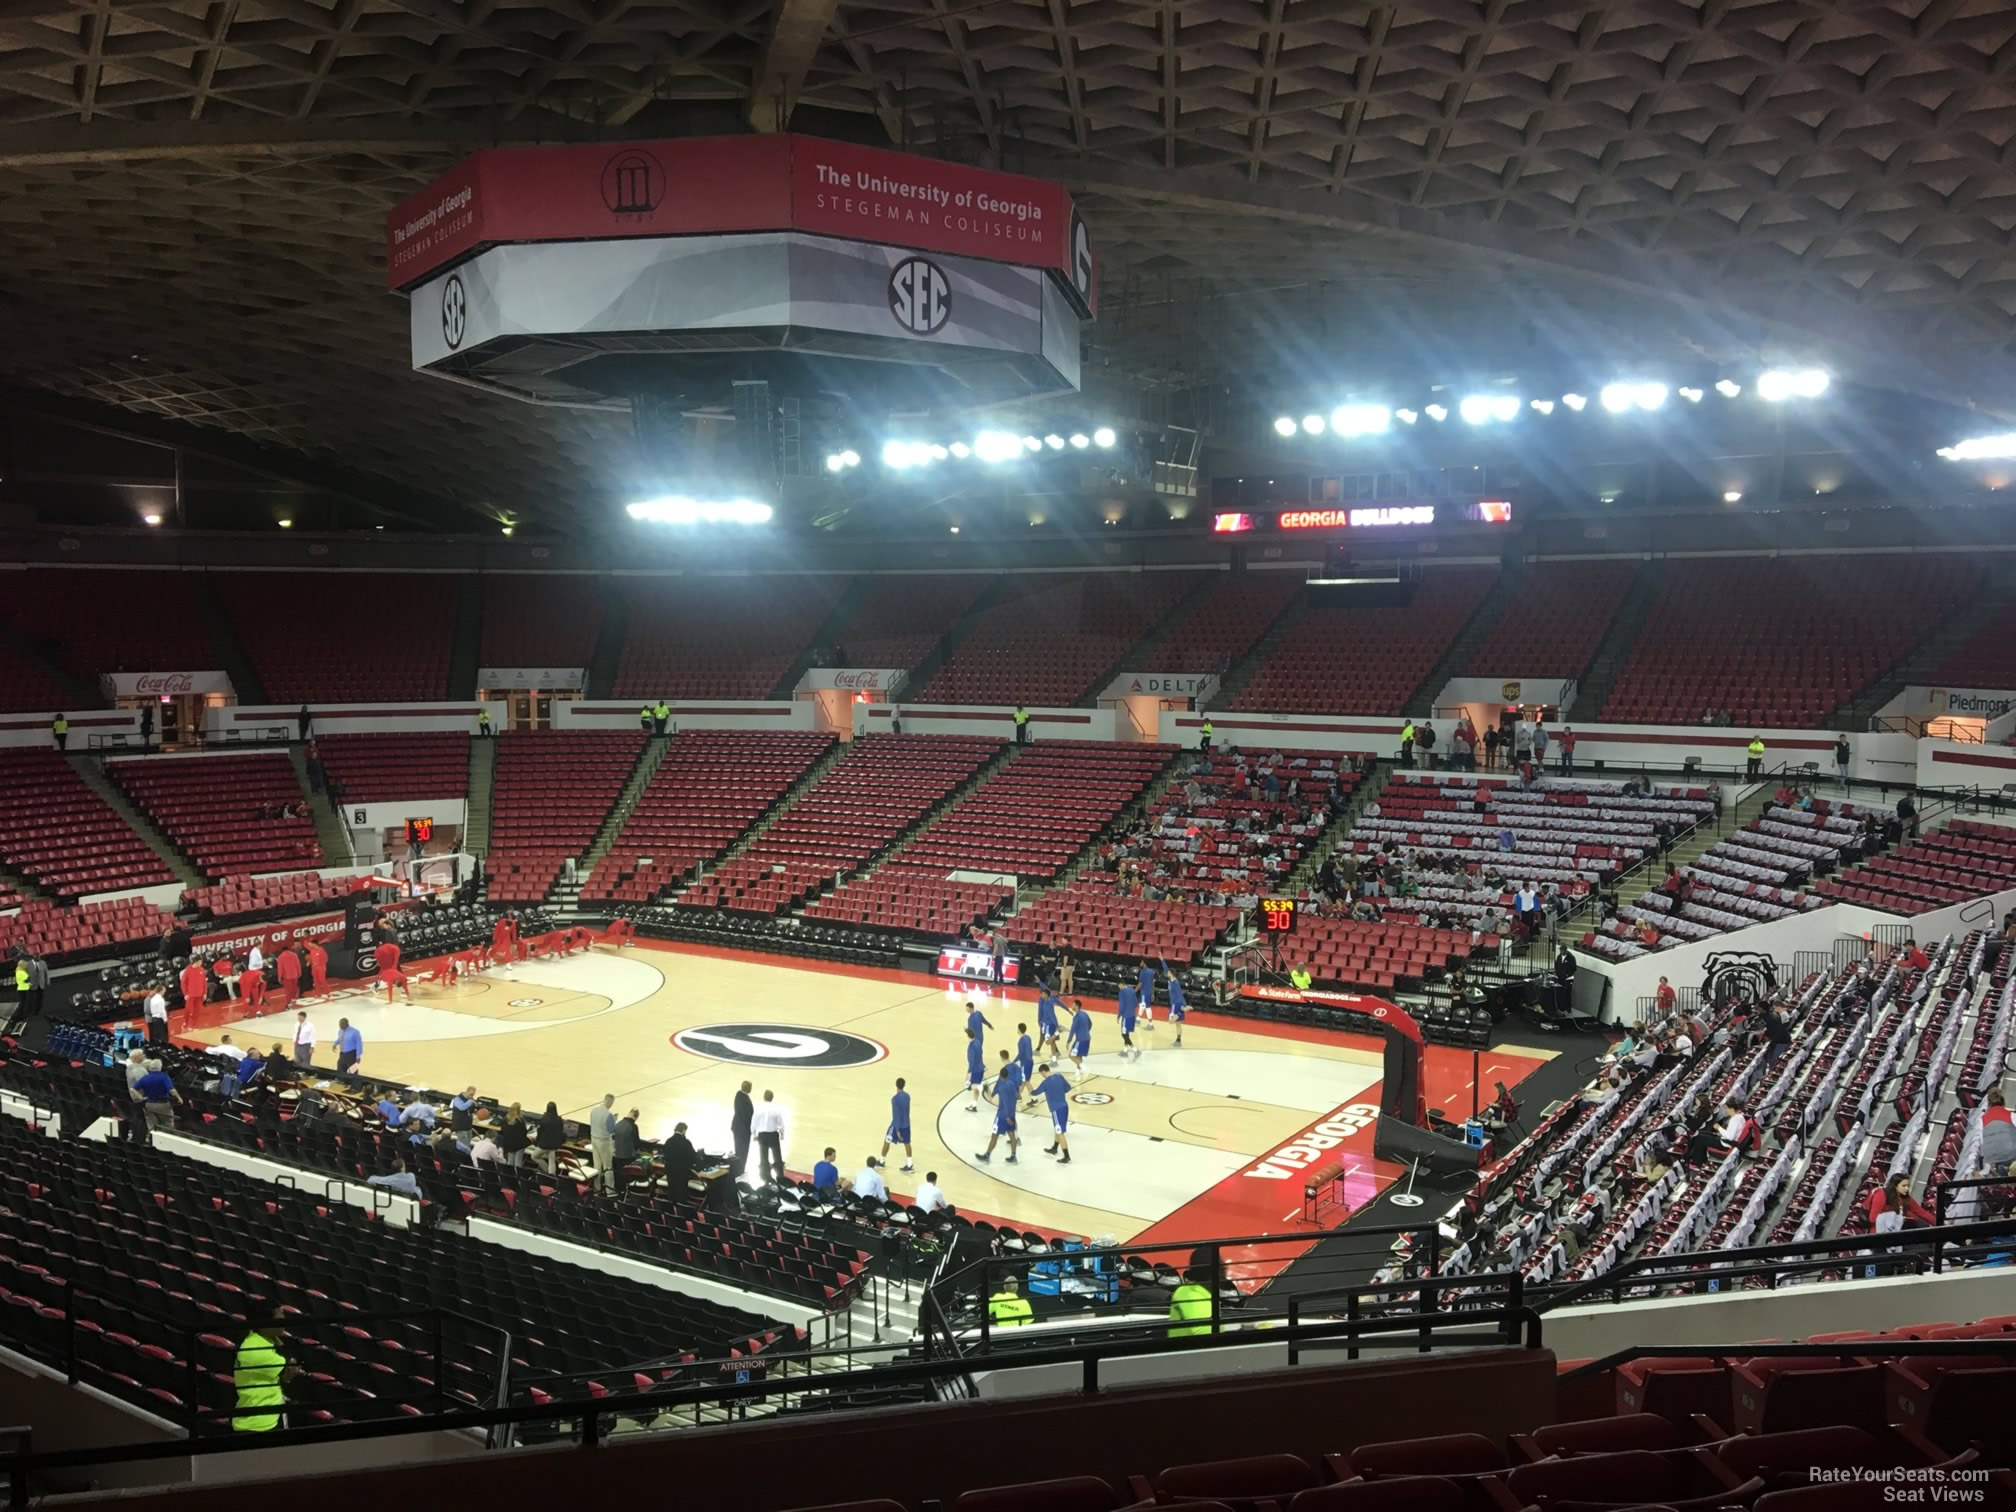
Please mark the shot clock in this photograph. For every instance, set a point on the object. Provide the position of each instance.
(419, 831)
(1277, 915)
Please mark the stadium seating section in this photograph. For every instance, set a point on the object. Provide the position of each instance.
(899, 619)
(97, 620)
(718, 637)
(1393, 954)
(885, 784)
(1986, 659)
(220, 811)
(1555, 621)
(1781, 641)
(60, 835)
(1964, 860)
(1352, 660)
(1225, 621)
(27, 686)
(911, 900)
(537, 620)
(306, 633)
(709, 788)
(250, 897)
(1216, 831)
(89, 930)
(1090, 918)
(393, 768)
(1048, 638)
(552, 791)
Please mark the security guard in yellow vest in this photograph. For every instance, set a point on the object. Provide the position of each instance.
(663, 715)
(644, 718)
(1021, 725)
(1204, 744)
(1190, 1308)
(1008, 1308)
(483, 720)
(260, 1374)
(24, 981)
(60, 728)
(1407, 743)
(1300, 977)
(1756, 749)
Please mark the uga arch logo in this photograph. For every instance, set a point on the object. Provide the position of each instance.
(920, 296)
(784, 1045)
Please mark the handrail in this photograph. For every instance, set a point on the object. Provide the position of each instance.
(1869, 1349)
(20, 1466)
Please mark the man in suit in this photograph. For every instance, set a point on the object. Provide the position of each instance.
(745, 1118)
(680, 1158)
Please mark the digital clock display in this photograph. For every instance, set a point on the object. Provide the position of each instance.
(1277, 915)
(419, 831)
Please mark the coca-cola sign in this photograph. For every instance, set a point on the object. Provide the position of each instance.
(163, 684)
(851, 679)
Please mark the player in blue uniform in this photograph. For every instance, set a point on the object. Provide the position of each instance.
(976, 1021)
(1025, 1059)
(1146, 988)
(1179, 1007)
(1130, 1007)
(899, 1126)
(1006, 1086)
(1055, 1090)
(1046, 1021)
(976, 1070)
(1081, 1035)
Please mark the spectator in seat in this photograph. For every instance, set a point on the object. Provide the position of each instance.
(1566, 742)
(483, 1148)
(1892, 1207)
(868, 1181)
(930, 1196)
(1915, 958)
(399, 1179)
(1737, 1131)
(1998, 1134)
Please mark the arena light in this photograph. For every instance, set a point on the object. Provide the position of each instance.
(1436, 412)
(1079, 440)
(896, 455)
(1283, 426)
(151, 519)
(833, 462)
(1776, 385)
(286, 524)
(1104, 437)
(937, 453)
(1542, 406)
(1575, 402)
(1406, 416)
(851, 457)
(1981, 448)
(1728, 388)
(961, 450)
(1054, 441)
(1732, 496)
(1691, 395)
(676, 509)
(1475, 409)
(1360, 419)
(507, 529)
(1312, 425)
(996, 446)
(1031, 444)
(1648, 396)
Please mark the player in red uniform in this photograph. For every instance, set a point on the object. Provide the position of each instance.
(195, 984)
(389, 972)
(500, 941)
(252, 987)
(289, 967)
(318, 966)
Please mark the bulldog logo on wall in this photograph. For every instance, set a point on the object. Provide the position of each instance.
(791, 1045)
(1745, 977)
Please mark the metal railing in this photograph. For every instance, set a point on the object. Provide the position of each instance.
(590, 1419)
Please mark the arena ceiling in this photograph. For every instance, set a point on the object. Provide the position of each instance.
(192, 191)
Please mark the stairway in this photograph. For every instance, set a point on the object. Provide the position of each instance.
(1922, 663)
(1696, 845)
(232, 659)
(1476, 630)
(608, 653)
(1241, 673)
(467, 648)
(330, 829)
(1615, 651)
(777, 810)
(96, 780)
(82, 695)
(1338, 830)
(482, 777)
(827, 634)
(1140, 657)
(612, 826)
(1134, 812)
(962, 627)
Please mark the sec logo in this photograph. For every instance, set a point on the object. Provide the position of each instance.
(526, 1002)
(1091, 1099)
(920, 296)
(783, 1045)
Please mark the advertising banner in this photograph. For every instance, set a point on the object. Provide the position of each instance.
(489, 678)
(691, 186)
(162, 684)
(1162, 685)
(851, 680)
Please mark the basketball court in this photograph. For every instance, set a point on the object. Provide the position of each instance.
(1210, 1140)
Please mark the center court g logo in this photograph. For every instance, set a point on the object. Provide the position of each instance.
(784, 1045)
